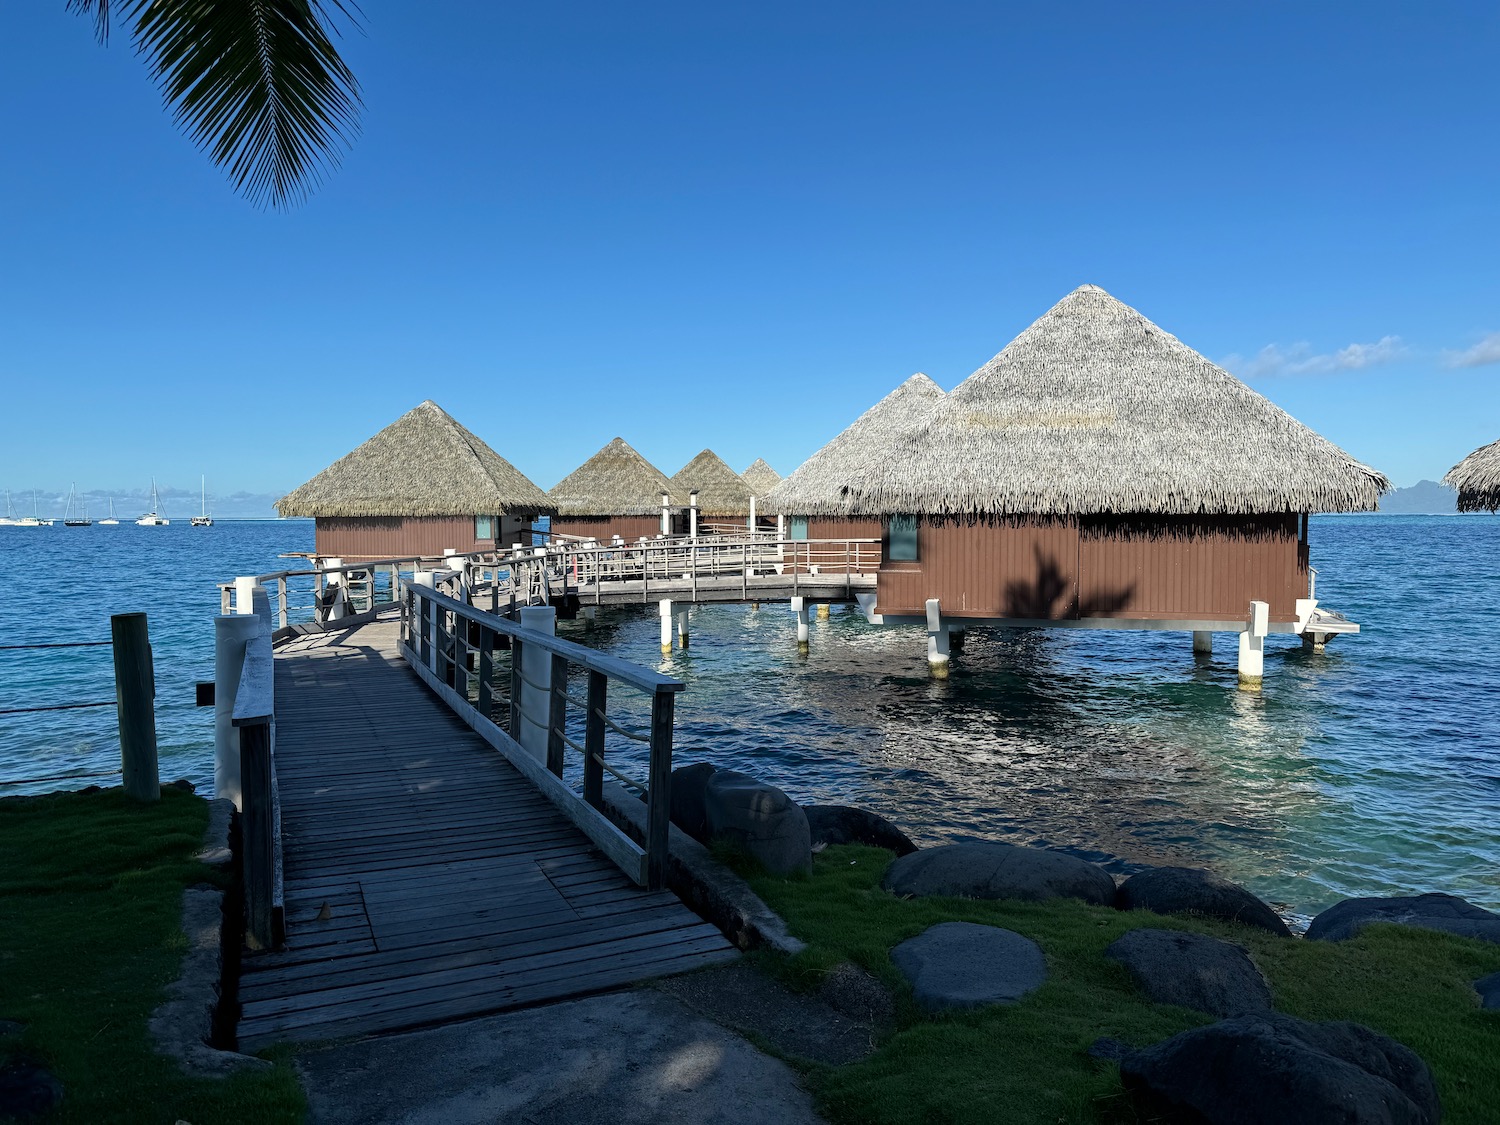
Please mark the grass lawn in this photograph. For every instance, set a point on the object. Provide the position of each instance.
(1027, 1062)
(90, 911)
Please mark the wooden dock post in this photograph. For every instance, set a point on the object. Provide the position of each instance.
(659, 790)
(231, 633)
(135, 694)
(257, 836)
(593, 739)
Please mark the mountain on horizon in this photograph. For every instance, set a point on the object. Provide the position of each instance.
(1425, 498)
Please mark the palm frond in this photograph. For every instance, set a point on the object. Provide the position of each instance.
(257, 83)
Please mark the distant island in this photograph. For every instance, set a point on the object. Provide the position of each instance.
(1425, 498)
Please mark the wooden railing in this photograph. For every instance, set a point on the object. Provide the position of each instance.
(260, 831)
(681, 565)
(511, 684)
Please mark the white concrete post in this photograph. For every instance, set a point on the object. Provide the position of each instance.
(822, 611)
(536, 666)
(752, 517)
(799, 607)
(666, 624)
(937, 641)
(693, 514)
(429, 579)
(1203, 643)
(260, 601)
(780, 525)
(244, 595)
(1252, 645)
(666, 514)
(682, 626)
(231, 633)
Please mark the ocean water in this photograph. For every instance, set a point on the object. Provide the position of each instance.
(1373, 769)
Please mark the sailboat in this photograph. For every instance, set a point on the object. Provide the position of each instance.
(9, 519)
(80, 520)
(33, 520)
(111, 521)
(153, 518)
(203, 520)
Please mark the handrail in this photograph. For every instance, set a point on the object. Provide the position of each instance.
(523, 711)
(254, 718)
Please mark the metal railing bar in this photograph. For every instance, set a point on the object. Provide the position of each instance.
(60, 777)
(56, 707)
(62, 644)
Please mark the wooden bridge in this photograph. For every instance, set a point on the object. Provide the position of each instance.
(432, 867)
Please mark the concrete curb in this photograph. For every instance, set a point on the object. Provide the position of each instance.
(705, 884)
(182, 1026)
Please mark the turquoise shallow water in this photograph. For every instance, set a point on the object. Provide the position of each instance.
(1374, 769)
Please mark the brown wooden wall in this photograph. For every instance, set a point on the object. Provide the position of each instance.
(603, 528)
(829, 527)
(1145, 568)
(385, 537)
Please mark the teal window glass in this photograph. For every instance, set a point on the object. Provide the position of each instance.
(798, 529)
(484, 527)
(901, 539)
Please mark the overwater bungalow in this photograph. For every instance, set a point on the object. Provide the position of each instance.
(421, 485)
(615, 492)
(722, 497)
(812, 502)
(1477, 478)
(1099, 473)
(761, 477)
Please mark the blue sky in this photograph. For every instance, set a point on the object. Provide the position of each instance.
(738, 225)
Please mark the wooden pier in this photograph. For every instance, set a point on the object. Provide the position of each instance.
(425, 879)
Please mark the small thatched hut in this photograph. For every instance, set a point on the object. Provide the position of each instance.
(814, 498)
(1099, 471)
(1477, 478)
(614, 492)
(422, 484)
(761, 477)
(723, 495)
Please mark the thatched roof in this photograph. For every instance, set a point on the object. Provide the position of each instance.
(1477, 478)
(422, 464)
(616, 481)
(1094, 409)
(819, 485)
(761, 477)
(721, 490)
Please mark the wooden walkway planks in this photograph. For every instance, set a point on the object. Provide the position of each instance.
(427, 880)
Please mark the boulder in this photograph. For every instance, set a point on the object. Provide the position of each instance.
(27, 1090)
(761, 819)
(1432, 912)
(1489, 991)
(843, 824)
(1191, 890)
(1193, 971)
(966, 965)
(1272, 1067)
(998, 871)
(689, 786)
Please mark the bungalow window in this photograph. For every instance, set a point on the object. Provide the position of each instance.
(484, 527)
(901, 539)
(797, 528)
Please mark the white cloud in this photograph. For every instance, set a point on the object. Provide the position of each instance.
(1477, 355)
(1300, 359)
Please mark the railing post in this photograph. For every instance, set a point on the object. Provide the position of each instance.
(557, 714)
(659, 790)
(486, 671)
(231, 633)
(281, 598)
(516, 684)
(593, 739)
(135, 693)
(257, 845)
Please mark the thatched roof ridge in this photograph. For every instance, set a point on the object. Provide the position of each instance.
(616, 481)
(422, 464)
(819, 485)
(721, 490)
(1094, 409)
(1477, 478)
(761, 477)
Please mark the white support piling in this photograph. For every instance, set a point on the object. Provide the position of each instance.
(693, 514)
(231, 634)
(536, 689)
(1203, 643)
(682, 626)
(666, 624)
(822, 611)
(1253, 645)
(428, 578)
(751, 525)
(937, 641)
(799, 607)
(244, 595)
(666, 514)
